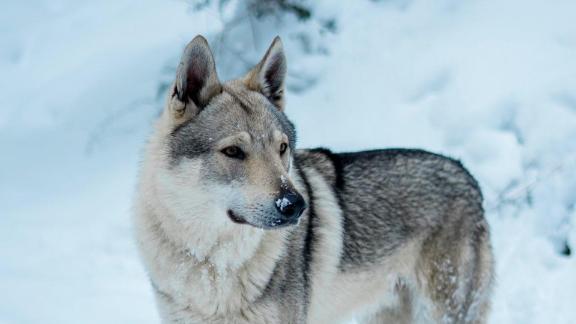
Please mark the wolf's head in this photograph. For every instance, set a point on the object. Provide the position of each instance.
(227, 147)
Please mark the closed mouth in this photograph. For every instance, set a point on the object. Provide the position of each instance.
(271, 224)
(235, 218)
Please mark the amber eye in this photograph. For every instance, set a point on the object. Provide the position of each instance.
(233, 152)
(283, 148)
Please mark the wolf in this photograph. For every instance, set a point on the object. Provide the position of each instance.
(236, 225)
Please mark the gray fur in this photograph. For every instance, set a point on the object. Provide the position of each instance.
(393, 236)
(389, 197)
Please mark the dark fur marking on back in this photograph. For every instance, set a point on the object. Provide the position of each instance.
(309, 239)
(336, 163)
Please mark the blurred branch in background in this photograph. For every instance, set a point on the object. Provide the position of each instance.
(248, 27)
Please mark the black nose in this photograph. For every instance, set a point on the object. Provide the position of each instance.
(291, 205)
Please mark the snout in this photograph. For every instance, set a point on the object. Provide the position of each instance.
(290, 206)
(287, 208)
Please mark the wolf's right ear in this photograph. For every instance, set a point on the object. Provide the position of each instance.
(196, 80)
(268, 76)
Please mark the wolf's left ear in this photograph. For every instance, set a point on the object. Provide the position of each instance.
(268, 76)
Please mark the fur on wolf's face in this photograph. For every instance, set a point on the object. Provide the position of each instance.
(236, 138)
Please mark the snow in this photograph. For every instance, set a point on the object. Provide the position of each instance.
(282, 203)
(491, 83)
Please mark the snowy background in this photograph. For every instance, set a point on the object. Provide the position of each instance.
(490, 82)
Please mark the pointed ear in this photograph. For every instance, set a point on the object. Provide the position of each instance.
(196, 79)
(268, 76)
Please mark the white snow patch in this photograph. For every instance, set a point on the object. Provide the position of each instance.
(281, 203)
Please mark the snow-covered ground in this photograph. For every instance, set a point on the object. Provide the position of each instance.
(490, 82)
